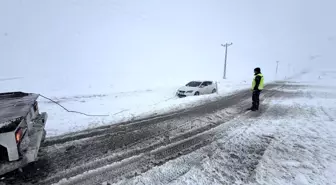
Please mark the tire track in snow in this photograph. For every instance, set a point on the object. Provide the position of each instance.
(161, 155)
(139, 147)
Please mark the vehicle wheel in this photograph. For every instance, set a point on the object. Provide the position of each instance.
(196, 93)
(214, 90)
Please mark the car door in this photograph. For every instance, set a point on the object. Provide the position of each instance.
(211, 86)
(203, 88)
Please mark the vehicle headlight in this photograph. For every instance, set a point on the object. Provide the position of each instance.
(189, 91)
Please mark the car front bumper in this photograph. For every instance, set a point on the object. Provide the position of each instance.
(182, 95)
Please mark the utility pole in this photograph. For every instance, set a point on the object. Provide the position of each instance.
(276, 70)
(226, 46)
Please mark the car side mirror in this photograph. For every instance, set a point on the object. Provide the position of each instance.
(202, 86)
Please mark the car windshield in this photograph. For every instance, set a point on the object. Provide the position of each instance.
(193, 84)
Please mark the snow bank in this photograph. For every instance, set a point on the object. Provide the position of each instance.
(100, 99)
(121, 106)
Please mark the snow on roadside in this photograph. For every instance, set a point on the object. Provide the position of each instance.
(118, 106)
(292, 142)
(122, 107)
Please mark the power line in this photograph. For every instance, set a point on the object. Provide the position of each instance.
(93, 115)
(71, 111)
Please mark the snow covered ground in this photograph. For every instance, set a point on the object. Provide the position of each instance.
(114, 105)
(293, 141)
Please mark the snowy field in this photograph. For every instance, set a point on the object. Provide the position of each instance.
(293, 141)
(113, 105)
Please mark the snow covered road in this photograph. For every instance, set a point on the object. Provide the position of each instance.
(158, 138)
(290, 140)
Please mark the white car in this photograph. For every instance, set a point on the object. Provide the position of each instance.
(195, 88)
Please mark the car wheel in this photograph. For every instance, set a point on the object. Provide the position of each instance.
(196, 93)
(214, 90)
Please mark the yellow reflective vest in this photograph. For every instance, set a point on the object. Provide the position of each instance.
(261, 84)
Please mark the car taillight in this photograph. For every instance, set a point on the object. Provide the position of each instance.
(18, 135)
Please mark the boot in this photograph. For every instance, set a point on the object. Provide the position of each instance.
(254, 106)
(250, 108)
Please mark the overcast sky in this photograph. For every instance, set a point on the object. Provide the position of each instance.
(157, 42)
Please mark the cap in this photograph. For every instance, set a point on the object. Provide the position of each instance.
(257, 69)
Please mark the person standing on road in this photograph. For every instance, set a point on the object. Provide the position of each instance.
(257, 87)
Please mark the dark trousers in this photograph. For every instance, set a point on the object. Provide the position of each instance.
(255, 99)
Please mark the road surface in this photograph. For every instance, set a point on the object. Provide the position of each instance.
(125, 150)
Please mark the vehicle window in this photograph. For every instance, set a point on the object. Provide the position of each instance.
(193, 84)
(205, 84)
